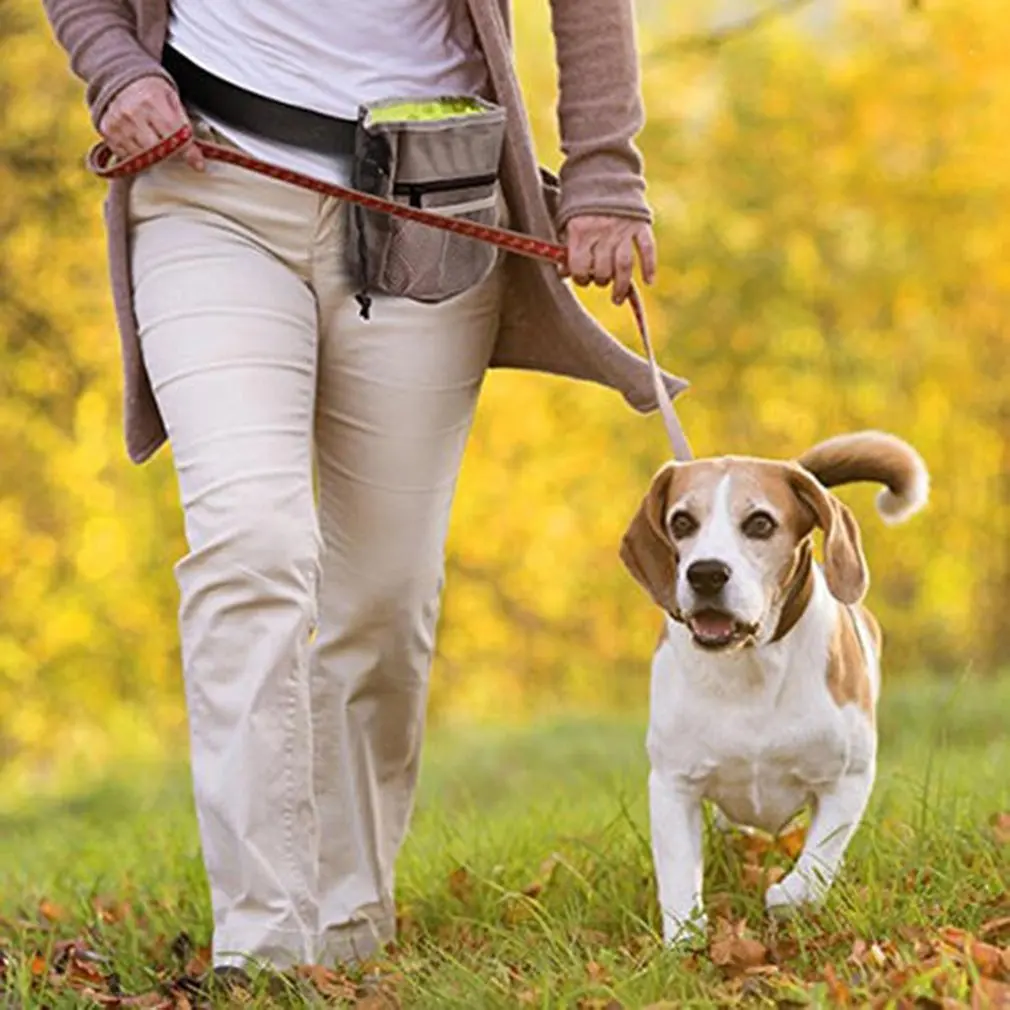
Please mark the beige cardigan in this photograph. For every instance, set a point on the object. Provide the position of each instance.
(112, 43)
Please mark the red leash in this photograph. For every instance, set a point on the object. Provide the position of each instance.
(102, 162)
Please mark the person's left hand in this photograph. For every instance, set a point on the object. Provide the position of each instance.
(601, 250)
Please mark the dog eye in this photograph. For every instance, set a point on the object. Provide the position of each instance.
(759, 526)
(682, 524)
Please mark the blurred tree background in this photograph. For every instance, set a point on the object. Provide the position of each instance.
(833, 214)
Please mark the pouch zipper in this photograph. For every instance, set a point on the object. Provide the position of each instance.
(415, 190)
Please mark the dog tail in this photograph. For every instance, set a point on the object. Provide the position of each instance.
(873, 456)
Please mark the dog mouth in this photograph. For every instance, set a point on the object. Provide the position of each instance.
(715, 629)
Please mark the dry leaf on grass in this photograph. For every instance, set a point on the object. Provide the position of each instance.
(543, 878)
(328, 983)
(377, 1001)
(51, 912)
(461, 884)
(759, 878)
(109, 910)
(995, 929)
(733, 949)
(838, 991)
(199, 962)
(791, 842)
(990, 995)
(1000, 824)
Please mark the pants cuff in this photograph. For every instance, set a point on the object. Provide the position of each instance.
(354, 942)
(277, 949)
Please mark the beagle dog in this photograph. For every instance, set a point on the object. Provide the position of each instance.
(766, 676)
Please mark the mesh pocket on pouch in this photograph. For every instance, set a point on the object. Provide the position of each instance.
(448, 164)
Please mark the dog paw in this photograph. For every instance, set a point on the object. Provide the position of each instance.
(794, 892)
(687, 933)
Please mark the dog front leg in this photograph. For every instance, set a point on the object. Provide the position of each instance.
(676, 823)
(839, 809)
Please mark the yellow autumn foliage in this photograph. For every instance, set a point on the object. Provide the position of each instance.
(833, 214)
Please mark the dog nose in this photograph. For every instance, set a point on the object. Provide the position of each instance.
(707, 577)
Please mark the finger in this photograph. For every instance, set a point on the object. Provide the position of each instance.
(193, 157)
(127, 142)
(165, 112)
(646, 245)
(624, 266)
(145, 135)
(580, 259)
(173, 115)
(113, 136)
(603, 264)
(175, 106)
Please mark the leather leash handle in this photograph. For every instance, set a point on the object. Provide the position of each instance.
(102, 162)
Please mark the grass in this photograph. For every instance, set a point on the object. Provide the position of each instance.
(556, 810)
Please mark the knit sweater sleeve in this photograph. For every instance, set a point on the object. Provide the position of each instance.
(600, 109)
(101, 40)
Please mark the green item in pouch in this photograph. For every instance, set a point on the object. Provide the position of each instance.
(426, 110)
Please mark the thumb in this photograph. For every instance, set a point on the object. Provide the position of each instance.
(193, 156)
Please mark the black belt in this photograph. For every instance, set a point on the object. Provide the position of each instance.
(245, 110)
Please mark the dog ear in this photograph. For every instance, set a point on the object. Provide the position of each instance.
(845, 567)
(646, 548)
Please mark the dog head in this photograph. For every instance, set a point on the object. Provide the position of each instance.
(717, 544)
(720, 543)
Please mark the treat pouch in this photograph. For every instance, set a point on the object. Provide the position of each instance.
(443, 155)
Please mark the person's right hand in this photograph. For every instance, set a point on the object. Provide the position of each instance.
(142, 114)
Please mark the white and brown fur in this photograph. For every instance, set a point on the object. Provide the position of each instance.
(766, 676)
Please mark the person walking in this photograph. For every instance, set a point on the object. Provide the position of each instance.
(317, 451)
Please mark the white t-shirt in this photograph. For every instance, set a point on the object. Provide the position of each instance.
(329, 56)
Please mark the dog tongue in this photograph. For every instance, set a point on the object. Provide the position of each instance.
(712, 625)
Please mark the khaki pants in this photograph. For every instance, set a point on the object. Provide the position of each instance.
(304, 743)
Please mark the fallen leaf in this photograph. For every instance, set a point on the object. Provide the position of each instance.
(761, 877)
(80, 969)
(953, 936)
(199, 962)
(109, 910)
(377, 1001)
(996, 929)
(732, 948)
(596, 971)
(1000, 824)
(720, 904)
(38, 965)
(329, 983)
(592, 937)
(528, 997)
(543, 878)
(101, 998)
(461, 884)
(838, 991)
(51, 911)
(990, 995)
(791, 842)
(987, 958)
(753, 846)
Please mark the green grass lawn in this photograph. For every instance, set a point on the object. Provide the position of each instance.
(527, 880)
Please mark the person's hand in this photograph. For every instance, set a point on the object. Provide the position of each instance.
(601, 250)
(142, 114)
